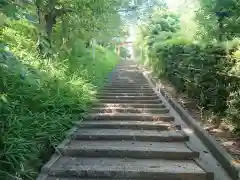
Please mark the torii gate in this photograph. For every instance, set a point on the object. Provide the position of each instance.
(122, 44)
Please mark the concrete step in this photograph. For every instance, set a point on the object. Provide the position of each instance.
(128, 97)
(120, 83)
(129, 116)
(124, 124)
(126, 168)
(128, 105)
(125, 94)
(129, 110)
(127, 101)
(125, 82)
(124, 86)
(129, 134)
(128, 74)
(124, 68)
(112, 90)
(115, 80)
(127, 149)
(130, 71)
(46, 177)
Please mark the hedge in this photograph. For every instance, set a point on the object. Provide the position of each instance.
(203, 71)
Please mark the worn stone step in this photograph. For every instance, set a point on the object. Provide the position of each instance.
(46, 177)
(129, 74)
(81, 167)
(124, 76)
(127, 90)
(126, 149)
(129, 116)
(127, 77)
(126, 66)
(129, 84)
(124, 124)
(125, 94)
(129, 110)
(128, 105)
(120, 82)
(128, 97)
(126, 86)
(129, 134)
(126, 101)
(115, 80)
(128, 69)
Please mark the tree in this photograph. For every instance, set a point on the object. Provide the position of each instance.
(219, 19)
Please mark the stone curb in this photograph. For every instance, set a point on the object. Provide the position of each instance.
(220, 154)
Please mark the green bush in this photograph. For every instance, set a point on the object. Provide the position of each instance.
(202, 71)
(41, 97)
(191, 52)
(233, 110)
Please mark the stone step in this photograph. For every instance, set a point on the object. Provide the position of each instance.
(129, 110)
(127, 66)
(129, 134)
(125, 94)
(126, 149)
(128, 105)
(124, 124)
(128, 97)
(126, 168)
(128, 74)
(112, 90)
(115, 80)
(124, 86)
(129, 116)
(46, 177)
(124, 68)
(127, 101)
(119, 82)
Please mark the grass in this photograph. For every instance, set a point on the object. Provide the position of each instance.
(40, 98)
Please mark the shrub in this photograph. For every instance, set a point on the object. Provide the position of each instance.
(202, 71)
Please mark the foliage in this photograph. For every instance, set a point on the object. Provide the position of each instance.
(219, 19)
(207, 71)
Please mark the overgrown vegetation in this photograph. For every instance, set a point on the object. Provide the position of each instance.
(49, 74)
(199, 56)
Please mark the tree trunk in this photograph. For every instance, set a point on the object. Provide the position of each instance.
(50, 19)
(41, 24)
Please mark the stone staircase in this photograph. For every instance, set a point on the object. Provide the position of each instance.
(129, 134)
